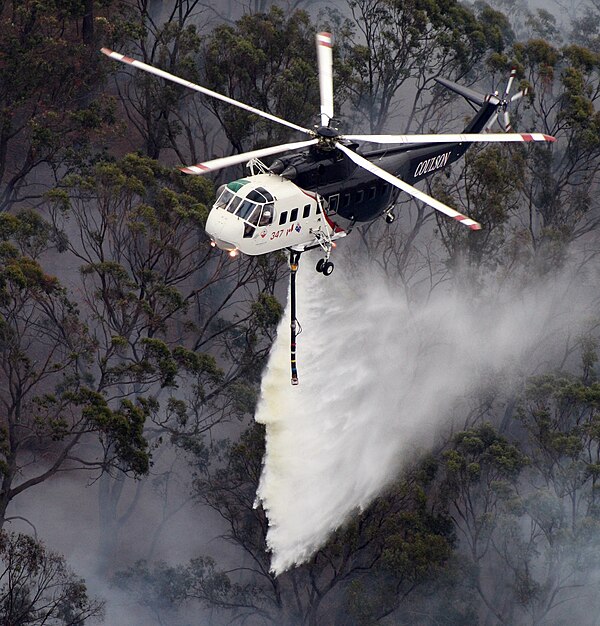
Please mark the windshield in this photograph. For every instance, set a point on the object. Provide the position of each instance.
(223, 198)
(255, 209)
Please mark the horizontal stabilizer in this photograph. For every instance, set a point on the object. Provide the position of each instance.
(467, 93)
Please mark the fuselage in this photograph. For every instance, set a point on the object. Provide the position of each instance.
(354, 194)
(314, 196)
(266, 212)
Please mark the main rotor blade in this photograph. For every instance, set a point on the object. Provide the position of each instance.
(186, 83)
(413, 191)
(216, 164)
(325, 63)
(452, 138)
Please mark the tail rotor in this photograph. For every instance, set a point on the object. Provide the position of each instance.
(502, 115)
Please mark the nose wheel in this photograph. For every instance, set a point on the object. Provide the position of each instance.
(324, 267)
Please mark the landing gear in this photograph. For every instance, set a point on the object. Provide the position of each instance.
(390, 217)
(324, 267)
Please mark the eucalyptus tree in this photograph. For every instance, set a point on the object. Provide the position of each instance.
(481, 473)
(172, 320)
(388, 45)
(368, 570)
(266, 60)
(168, 37)
(37, 587)
(50, 111)
(50, 410)
(534, 202)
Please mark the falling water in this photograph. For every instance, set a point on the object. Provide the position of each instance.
(378, 380)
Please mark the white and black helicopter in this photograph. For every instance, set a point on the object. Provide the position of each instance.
(314, 195)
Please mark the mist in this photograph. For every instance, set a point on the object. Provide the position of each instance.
(381, 379)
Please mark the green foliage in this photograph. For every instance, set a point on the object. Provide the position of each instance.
(48, 117)
(155, 218)
(267, 311)
(266, 60)
(488, 190)
(37, 587)
(390, 43)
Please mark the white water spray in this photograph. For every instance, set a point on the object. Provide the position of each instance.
(377, 381)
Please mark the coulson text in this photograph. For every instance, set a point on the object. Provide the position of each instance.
(434, 163)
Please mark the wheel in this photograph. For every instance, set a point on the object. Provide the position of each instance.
(320, 264)
(328, 268)
(389, 218)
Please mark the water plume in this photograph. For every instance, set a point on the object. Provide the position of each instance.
(378, 380)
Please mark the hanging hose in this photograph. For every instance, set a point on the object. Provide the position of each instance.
(294, 259)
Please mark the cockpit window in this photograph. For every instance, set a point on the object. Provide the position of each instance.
(267, 195)
(256, 209)
(223, 198)
(245, 209)
(253, 217)
(233, 205)
(236, 185)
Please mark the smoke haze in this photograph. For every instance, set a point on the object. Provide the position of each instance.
(380, 379)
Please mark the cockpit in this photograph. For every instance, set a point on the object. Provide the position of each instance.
(254, 205)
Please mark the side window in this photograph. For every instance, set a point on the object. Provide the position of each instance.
(359, 196)
(318, 209)
(346, 200)
(372, 192)
(294, 215)
(333, 203)
(283, 218)
(267, 215)
(306, 211)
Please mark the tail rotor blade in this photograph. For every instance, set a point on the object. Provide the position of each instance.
(186, 83)
(519, 95)
(216, 164)
(513, 74)
(413, 191)
(325, 62)
(492, 121)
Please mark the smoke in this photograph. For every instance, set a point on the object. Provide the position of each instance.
(380, 379)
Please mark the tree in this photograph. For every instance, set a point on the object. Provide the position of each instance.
(48, 113)
(37, 587)
(266, 60)
(162, 305)
(367, 570)
(559, 205)
(154, 107)
(559, 499)
(49, 408)
(391, 44)
(481, 473)
(486, 186)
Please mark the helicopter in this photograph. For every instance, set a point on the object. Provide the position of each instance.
(319, 188)
(325, 185)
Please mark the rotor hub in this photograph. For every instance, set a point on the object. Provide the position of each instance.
(327, 137)
(326, 132)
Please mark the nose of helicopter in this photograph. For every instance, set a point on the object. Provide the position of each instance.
(225, 229)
